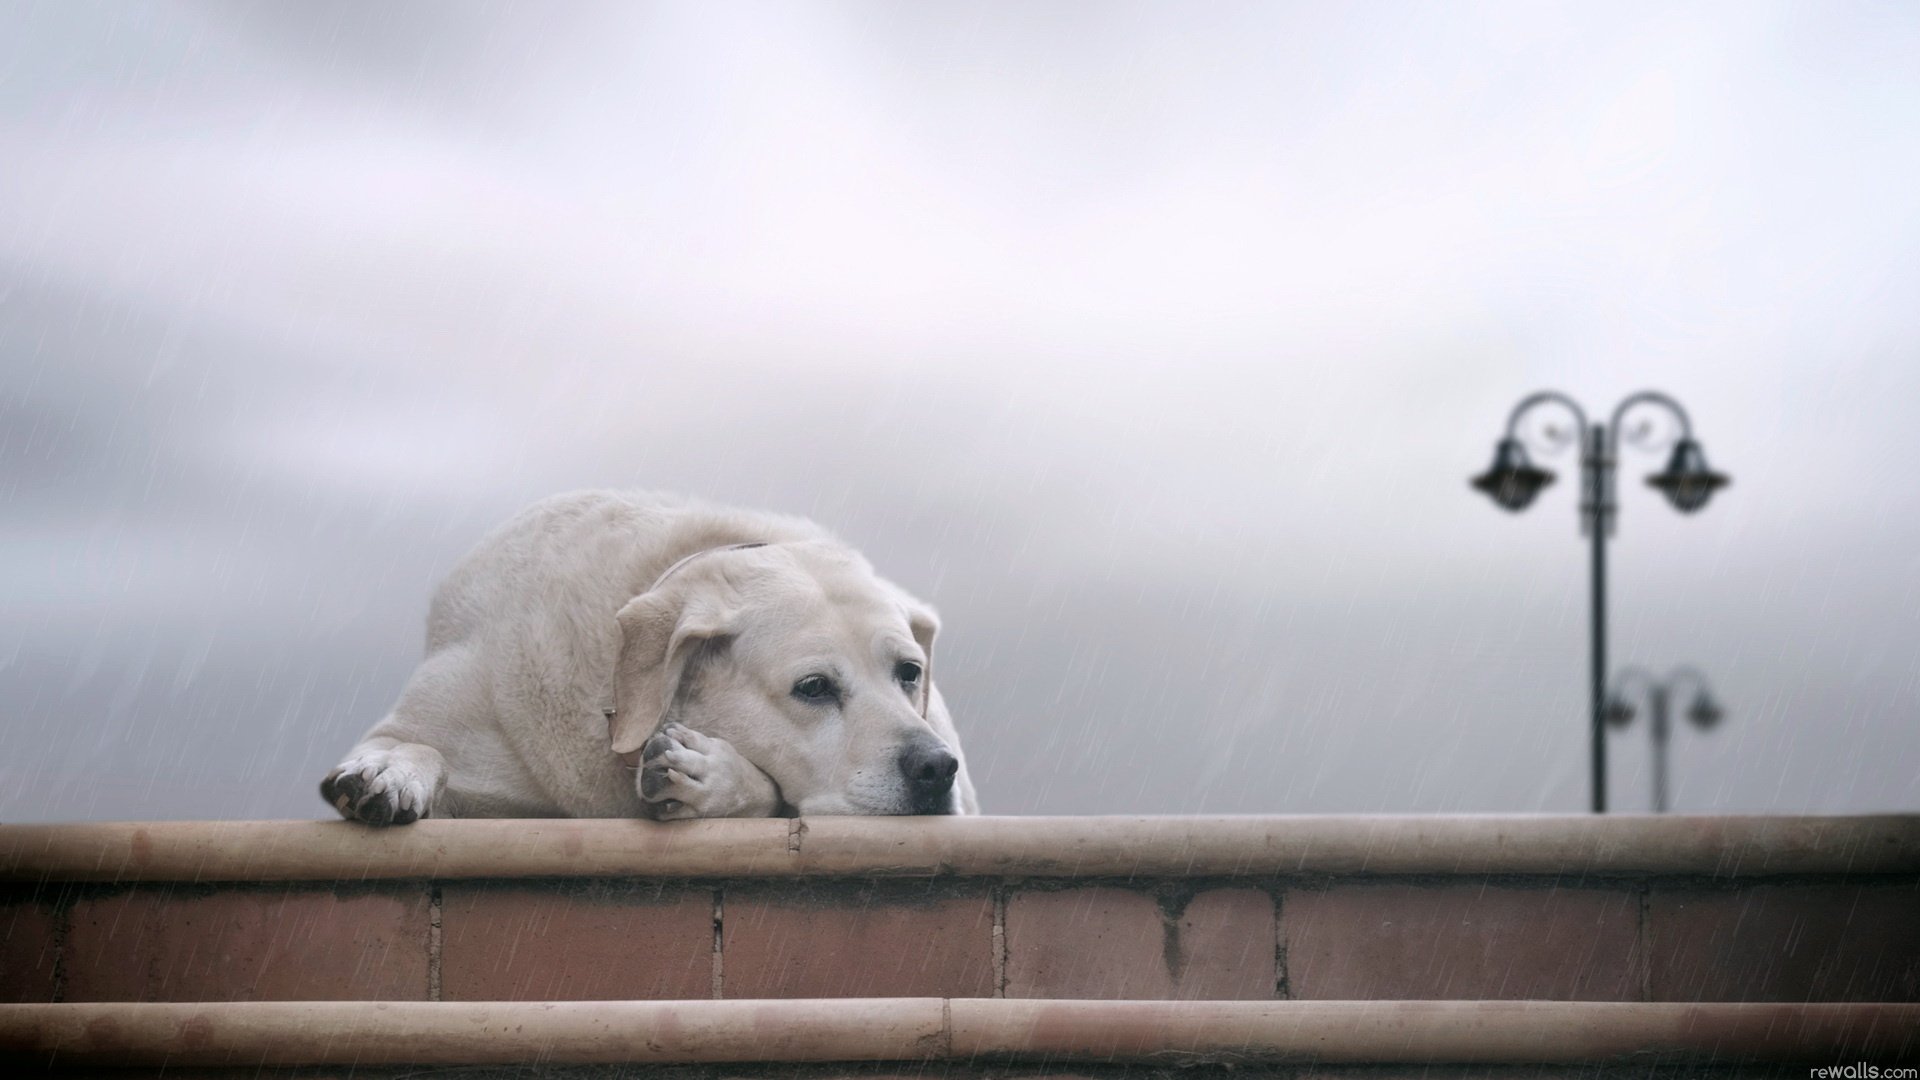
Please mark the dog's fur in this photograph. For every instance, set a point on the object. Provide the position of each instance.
(604, 623)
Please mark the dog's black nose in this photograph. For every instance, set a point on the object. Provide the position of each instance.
(929, 768)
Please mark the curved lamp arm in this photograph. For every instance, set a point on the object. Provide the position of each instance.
(1704, 711)
(1548, 397)
(1645, 397)
(1631, 682)
(1688, 677)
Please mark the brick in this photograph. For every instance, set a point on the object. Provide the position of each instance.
(1785, 943)
(1096, 942)
(1224, 950)
(294, 943)
(882, 939)
(29, 943)
(593, 941)
(1108, 942)
(1415, 942)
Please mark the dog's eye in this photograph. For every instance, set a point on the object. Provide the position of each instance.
(907, 672)
(814, 688)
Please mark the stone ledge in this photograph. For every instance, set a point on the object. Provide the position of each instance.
(257, 1034)
(1067, 847)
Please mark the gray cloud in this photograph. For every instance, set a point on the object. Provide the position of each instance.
(1152, 344)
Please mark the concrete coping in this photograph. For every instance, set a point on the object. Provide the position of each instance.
(1080, 847)
(257, 1034)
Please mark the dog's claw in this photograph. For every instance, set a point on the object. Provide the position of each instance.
(655, 779)
(343, 790)
(690, 774)
(660, 743)
(375, 811)
(380, 791)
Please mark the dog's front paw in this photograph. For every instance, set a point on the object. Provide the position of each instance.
(382, 787)
(689, 775)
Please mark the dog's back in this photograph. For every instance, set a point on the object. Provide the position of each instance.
(580, 552)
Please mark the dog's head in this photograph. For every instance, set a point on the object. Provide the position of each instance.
(810, 664)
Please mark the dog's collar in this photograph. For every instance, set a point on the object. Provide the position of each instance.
(703, 551)
(631, 758)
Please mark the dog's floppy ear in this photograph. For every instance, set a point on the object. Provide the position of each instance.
(924, 623)
(659, 634)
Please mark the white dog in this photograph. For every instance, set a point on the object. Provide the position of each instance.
(613, 654)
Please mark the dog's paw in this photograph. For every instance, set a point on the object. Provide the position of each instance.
(689, 775)
(380, 787)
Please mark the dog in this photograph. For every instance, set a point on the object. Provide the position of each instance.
(623, 654)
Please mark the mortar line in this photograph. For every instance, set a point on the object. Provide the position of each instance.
(1646, 946)
(998, 940)
(62, 933)
(719, 955)
(1282, 984)
(433, 943)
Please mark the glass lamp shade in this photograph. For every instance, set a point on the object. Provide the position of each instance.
(1704, 712)
(1618, 711)
(1512, 480)
(1687, 482)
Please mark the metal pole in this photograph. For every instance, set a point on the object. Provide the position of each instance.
(1597, 521)
(1660, 729)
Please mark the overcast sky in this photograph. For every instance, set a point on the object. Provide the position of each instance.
(1153, 344)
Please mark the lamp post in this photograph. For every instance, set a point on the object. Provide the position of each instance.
(1512, 481)
(1703, 711)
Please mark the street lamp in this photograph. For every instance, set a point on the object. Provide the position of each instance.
(1513, 481)
(1703, 711)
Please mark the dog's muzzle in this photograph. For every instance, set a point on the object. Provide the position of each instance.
(928, 767)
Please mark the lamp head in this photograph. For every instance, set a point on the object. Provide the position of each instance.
(1512, 480)
(1617, 710)
(1687, 482)
(1705, 712)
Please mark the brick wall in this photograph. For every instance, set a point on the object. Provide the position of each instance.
(1634, 938)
